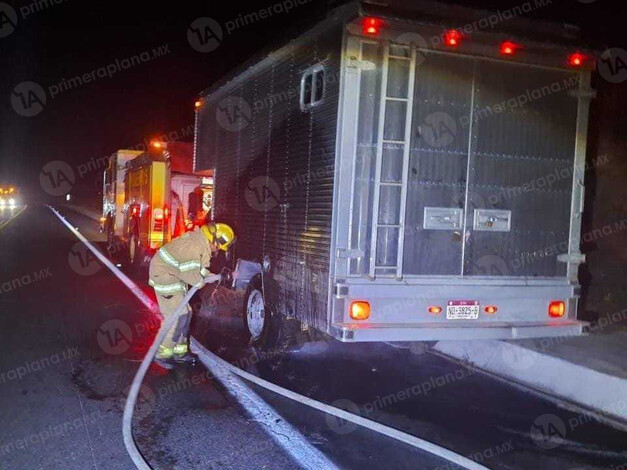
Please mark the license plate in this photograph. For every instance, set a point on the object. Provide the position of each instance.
(462, 310)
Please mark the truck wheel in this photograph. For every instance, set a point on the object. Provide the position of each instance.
(258, 319)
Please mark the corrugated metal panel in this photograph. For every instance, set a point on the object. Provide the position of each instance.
(438, 162)
(274, 175)
(522, 161)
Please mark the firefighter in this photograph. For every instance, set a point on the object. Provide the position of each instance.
(196, 213)
(182, 262)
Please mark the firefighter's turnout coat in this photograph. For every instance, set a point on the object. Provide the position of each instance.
(184, 261)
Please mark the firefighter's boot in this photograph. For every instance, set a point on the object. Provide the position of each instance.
(165, 357)
(182, 355)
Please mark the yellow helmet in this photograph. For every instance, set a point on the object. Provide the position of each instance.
(222, 234)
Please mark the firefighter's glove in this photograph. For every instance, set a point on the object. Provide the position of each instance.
(211, 278)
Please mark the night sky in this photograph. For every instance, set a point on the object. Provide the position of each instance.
(54, 42)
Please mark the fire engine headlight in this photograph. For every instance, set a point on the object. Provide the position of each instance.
(2, 202)
(11, 202)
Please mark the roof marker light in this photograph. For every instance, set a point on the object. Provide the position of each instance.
(508, 48)
(372, 26)
(576, 59)
(452, 38)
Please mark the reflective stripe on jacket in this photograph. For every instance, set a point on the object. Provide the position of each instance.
(167, 288)
(186, 258)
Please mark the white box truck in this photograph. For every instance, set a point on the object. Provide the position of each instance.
(404, 172)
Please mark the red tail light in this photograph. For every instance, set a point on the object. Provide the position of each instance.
(359, 310)
(557, 309)
(372, 26)
(490, 309)
(509, 48)
(166, 212)
(576, 59)
(452, 38)
(435, 309)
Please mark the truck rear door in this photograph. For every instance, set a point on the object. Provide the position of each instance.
(463, 166)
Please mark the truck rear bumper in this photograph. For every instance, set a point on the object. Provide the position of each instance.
(429, 331)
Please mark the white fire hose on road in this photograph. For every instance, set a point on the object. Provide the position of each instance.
(224, 367)
(127, 419)
(169, 322)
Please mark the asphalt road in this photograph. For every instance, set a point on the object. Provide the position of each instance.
(73, 337)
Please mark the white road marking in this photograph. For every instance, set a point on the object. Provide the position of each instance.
(8, 221)
(134, 288)
(283, 433)
(379, 428)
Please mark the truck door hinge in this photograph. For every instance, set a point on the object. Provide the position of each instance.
(345, 253)
(576, 258)
(354, 63)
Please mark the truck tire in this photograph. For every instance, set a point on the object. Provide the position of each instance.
(265, 327)
(261, 325)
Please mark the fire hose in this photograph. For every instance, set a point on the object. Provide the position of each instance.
(140, 462)
(169, 322)
(129, 407)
